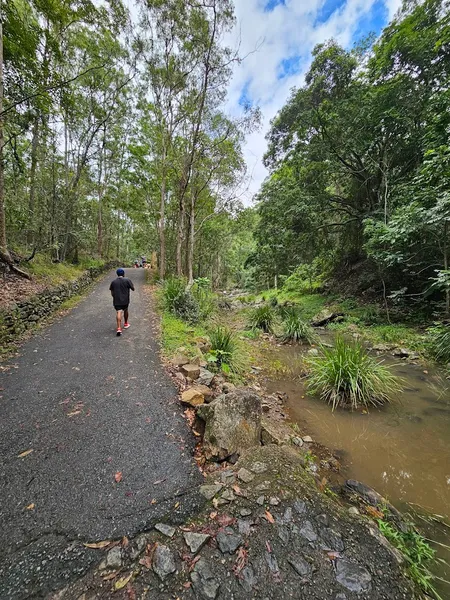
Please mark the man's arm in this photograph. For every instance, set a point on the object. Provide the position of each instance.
(111, 289)
(131, 284)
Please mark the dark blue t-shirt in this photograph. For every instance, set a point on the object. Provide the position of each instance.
(120, 289)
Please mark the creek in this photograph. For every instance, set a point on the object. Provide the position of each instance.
(402, 450)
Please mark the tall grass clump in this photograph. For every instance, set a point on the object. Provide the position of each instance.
(295, 329)
(180, 301)
(347, 376)
(224, 353)
(263, 317)
(207, 301)
(440, 344)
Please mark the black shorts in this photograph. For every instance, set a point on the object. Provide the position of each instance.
(121, 306)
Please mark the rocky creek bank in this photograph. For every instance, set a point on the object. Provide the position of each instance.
(267, 530)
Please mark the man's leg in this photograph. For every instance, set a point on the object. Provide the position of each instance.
(119, 319)
(125, 316)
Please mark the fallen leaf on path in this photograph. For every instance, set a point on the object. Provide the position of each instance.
(196, 433)
(125, 541)
(110, 576)
(374, 512)
(177, 504)
(122, 582)
(213, 515)
(26, 453)
(153, 501)
(269, 549)
(118, 476)
(187, 584)
(130, 592)
(98, 545)
(146, 562)
(30, 506)
(148, 420)
(241, 561)
(333, 555)
(237, 490)
(225, 520)
(269, 517)
(159, 481)
(75, 412)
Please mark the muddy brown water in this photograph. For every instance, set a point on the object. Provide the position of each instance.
(402, 449)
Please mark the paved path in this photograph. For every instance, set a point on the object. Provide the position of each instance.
(89, 405)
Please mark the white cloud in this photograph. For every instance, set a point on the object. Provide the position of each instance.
(289, 30)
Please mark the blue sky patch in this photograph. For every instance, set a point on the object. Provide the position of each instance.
(245, 99)
(372, 22)
(271, 4)
(289, 66)
(327, 9)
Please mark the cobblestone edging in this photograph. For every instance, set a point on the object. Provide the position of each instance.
(22, 316)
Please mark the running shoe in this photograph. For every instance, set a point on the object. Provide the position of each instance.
(126, 325)
(119, 332)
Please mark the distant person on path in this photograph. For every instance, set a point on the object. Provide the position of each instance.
(120, 291)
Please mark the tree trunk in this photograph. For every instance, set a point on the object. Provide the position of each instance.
(161, 224)
(5, 256)
(447, 289)
(191, 244)
(32, 196)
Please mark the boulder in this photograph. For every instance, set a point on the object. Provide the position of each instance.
(205, 377)
(163, 562)
(191, 371)
(192, 397)
(180, 360)
(273, 432)
(233, 423)
(326, 316)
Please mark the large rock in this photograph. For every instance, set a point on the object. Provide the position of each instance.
(195, 541)
(191, 371)
(192, 397)
(352, 576)
(205, 377)
(203, 581)
(326, 316)
(233, 423)
(274, 432)
(163, 562)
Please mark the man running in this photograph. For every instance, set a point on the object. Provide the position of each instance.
(120, 291)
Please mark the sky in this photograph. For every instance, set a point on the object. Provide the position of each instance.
(277, 37)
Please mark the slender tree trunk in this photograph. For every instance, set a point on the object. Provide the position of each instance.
(161, 224)
(191, 243)
(100, 198)
(32, 196)
(3, 243)
(447, 289)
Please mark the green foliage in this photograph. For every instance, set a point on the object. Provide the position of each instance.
(179, 334)
(347, 376)
(186, 307)
(172, 288)
(206, 300)
(263, 317)
(417, 553)
(295, 329)
(224, 353)
(440, 344)
(304, 280)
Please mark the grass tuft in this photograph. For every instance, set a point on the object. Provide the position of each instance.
(295, 329)
(347, 376)
(263, 317)
(224, 354)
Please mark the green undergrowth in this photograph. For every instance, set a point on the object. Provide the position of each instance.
(418, 554)
(179, 334)
(43, 269)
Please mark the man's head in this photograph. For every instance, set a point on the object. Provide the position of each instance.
(120, 273)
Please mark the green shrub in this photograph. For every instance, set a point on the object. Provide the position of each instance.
(172, 288)
(440, 344)
(295, 329)
(186, 307)
(304, 280)
(206, 300)
(347, 376)
(263, 318)
(224, 350)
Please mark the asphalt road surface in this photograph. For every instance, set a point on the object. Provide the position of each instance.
(89, 406)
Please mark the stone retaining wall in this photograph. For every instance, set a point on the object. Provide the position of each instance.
(23, 315)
